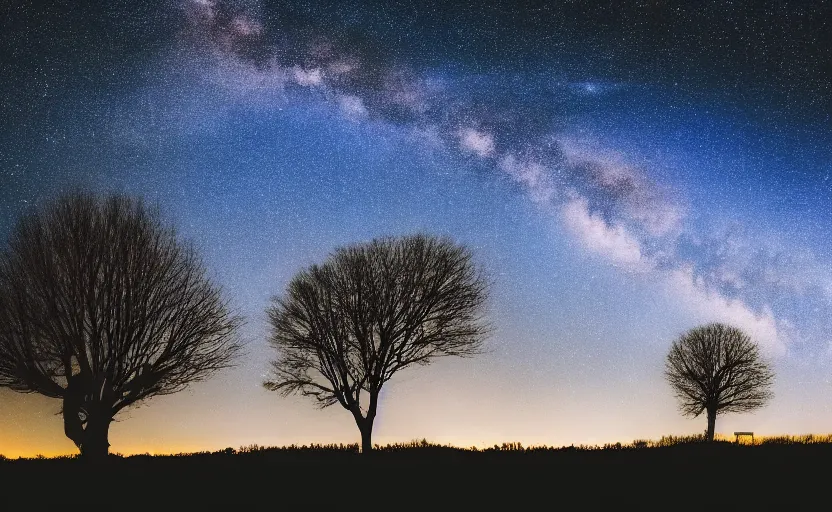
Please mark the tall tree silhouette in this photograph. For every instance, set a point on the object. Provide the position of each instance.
(717, 368)
(102, 307)
(345, 327)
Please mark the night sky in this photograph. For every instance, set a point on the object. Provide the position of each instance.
(623, 173)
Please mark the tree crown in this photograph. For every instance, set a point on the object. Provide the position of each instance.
(718, 367)
(100, 294)
(370, 310)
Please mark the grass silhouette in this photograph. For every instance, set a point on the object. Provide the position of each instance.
(644, 473)
(422, 447)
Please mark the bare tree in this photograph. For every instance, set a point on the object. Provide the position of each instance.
(102, 307)
(345, 327)
(717, 368)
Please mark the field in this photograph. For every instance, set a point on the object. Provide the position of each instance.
(672, 473)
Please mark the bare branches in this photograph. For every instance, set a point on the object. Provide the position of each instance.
(717, 367)
(346, 326)
(100, 288)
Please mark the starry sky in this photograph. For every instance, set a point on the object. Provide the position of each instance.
(623, 171)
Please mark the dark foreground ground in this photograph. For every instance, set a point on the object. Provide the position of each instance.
(721, 476)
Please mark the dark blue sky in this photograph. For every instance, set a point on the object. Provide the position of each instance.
(624, 172)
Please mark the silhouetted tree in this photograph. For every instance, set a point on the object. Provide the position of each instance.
(717, 368)
(345, 327)
(102, 307)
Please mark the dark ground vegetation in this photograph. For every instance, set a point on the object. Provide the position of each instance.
(677, 475)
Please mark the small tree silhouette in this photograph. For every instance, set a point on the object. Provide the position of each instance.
(717, 368)
(345, 327)
(102, 307)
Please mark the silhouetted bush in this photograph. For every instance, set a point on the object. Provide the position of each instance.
(802, 439)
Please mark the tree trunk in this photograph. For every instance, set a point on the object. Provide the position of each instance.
(365, 423)
(366, 428)
(95, 445)
(73, 427)
(709, 435)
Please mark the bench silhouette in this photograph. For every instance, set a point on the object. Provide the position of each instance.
(738, 434)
